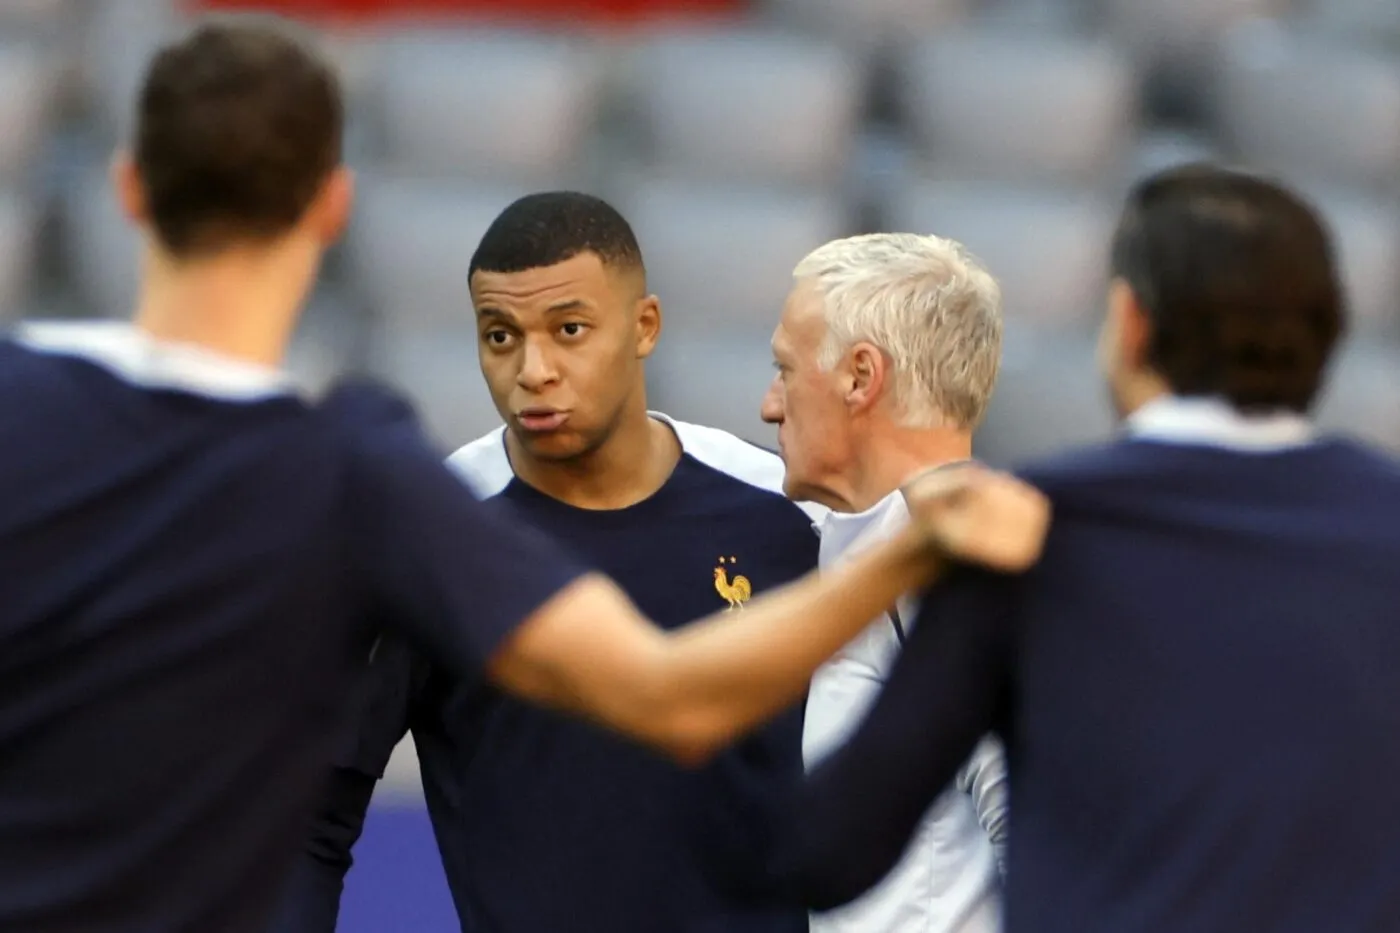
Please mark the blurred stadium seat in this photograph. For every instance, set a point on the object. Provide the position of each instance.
(1047, 246)
(488, 104)
(28, 101)
(1049, 396)
(437, 366)
(990, 104)
(714, 376)
(1363, 398)
(1309, 106)
(869, 23)
(1175, 44)
(411, 242)
(746, 105)
(727, 251)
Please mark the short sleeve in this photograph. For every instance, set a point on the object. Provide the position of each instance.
(454, 577)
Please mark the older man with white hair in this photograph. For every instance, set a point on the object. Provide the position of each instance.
(887, 354)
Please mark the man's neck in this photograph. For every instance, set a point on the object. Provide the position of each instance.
(242, 304)
(630, 466)
(885, 463)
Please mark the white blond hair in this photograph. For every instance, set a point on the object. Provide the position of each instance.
(926, 303)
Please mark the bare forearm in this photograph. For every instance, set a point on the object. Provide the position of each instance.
(590, 652)
(733, 670)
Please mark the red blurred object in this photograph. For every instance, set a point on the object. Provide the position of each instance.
(625, 10)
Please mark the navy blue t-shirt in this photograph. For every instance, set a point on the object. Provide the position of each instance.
(546, 823)
(1199, 689)
(191, 560)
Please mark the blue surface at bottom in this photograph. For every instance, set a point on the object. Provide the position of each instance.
(397, 884)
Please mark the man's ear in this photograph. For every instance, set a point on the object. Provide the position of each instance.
(648, 325)
(1131, 325)
(130, 190)
(329, 213)
(869, 373)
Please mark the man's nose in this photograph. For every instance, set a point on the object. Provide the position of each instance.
(771, 410)
(536, 369)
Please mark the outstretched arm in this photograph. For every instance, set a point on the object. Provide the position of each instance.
(691, 692)
(478, 591)
(590, 651)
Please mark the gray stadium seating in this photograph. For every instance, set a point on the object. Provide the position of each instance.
(411, 242)
(487, 104)
(1363, 398)
(713, 376)
(329, 342)
(437, 366)
(869, 22)
(1020, 106)
(1016, 128)
(18, 235)
(1158, 150)
(1355, 19)
(1310, 106)
(727, 252)
(118, 36)
(747, 105)
(1176, 42)
(102, 251)
(1367, 236)
(28, 99)
(1049, 396)
(1048, 246)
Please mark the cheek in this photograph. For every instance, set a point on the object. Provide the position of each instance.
(499, 372)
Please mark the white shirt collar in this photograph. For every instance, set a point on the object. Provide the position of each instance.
(1212, 422)
(144, 360)
(840, 530)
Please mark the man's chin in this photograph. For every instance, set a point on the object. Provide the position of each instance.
(552, 445)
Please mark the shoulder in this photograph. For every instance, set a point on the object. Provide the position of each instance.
(483, 464)
(366, 405)
(1089, 466)
(738, 459)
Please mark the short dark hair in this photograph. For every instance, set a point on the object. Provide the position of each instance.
(238, 126)
(551, 227)
(1237, 276)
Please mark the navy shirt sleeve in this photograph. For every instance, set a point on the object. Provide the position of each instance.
(949, 687)
(454, 577)
(395, 687)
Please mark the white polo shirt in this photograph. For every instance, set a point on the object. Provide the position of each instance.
(948, 880)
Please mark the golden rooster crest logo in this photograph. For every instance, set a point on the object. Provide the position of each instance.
(736, 592)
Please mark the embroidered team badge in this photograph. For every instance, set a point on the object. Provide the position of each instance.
(736, 592)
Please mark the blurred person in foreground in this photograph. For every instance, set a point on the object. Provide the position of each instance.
(887, 355)
(194, 559)
(544, 822)
(1197, 683)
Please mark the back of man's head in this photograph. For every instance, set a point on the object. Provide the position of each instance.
(545, 229)
(238, 127)
(1237, 278)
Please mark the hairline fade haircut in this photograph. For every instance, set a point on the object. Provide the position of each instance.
(238, 127)
(926, 303)
(1237, 276)
(550, 227)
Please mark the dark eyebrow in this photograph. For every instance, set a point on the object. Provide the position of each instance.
(496, 315)
(573, 304)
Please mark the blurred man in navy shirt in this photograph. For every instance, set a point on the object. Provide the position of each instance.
(1198, 683)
